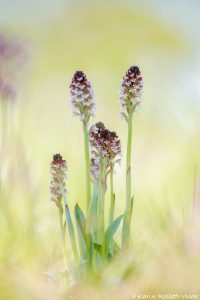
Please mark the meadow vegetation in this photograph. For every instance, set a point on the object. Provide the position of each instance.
(36, 123)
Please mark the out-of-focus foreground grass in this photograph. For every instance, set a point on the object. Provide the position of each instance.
(103, 41)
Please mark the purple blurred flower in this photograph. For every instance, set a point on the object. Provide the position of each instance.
(7, 91)
(12, 58)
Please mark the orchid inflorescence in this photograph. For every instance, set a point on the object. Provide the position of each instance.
(104, 142)
(82, 97)
(131, 90)
(102, 151)
(59, 175)
(104, 145)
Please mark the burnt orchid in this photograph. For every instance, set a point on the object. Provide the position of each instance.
(59, 174)
(105, 149)
(104, 142)
(105, 146)
(131, 90)
(58, 170)
(95, 245)
(82, 97)
(130, 98)
(59, 196)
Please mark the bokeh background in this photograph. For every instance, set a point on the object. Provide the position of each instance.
(55, 38)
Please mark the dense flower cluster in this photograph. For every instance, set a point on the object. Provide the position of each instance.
(12, 57)
(82, 97)
(58, 176)
(104, 143)
(131, 90)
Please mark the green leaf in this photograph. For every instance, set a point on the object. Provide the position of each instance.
(81, 227)
(71, 230)
(116, 249)
(97, 247)
(125, 228)
(111, 231)
(80, 218)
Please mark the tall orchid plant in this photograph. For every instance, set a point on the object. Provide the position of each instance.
(96, 246)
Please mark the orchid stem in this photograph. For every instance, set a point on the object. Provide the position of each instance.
(62, 230)
(112, 203)
(101, 196)
(127, 219)
(112, 196)
(88, 189)
(87, 164)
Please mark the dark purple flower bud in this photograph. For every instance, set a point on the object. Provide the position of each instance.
(131, 90)
(58, 176)
(82, 97)
(104, 143)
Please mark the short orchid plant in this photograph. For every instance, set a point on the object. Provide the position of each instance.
(95, 245)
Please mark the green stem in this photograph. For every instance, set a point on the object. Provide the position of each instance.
(112, 203)
(112, 196)
(89, 231)
(101, 196)
(127, 220)
(94, 209)
(88, 190)
(87, 164)
(94, 228)
(62, 230)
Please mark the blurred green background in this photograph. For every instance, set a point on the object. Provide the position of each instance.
(103, 38)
